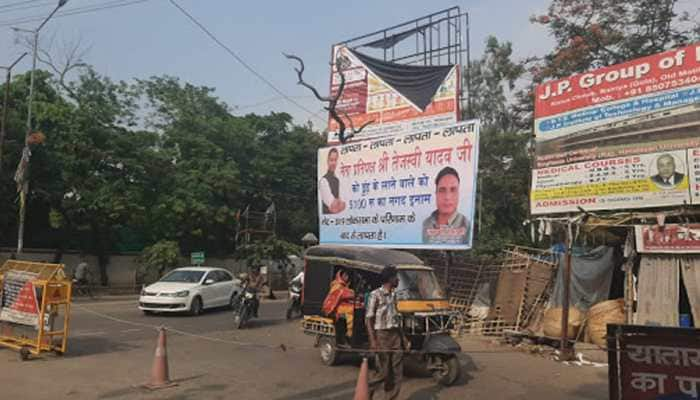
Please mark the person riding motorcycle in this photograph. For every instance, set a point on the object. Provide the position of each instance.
(299, 279)
(255, 282)
(295, 288)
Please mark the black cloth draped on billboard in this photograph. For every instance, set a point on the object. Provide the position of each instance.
(417, 83)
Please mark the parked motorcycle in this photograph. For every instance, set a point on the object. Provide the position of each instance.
(294, 305)
(244, 308)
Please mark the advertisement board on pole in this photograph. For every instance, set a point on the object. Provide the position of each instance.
(407, 191)
(638, 118)
(390, 106)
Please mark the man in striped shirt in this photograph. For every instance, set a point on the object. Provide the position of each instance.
(385, 335)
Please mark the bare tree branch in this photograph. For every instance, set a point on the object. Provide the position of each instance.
(331, 100)
(71, 58)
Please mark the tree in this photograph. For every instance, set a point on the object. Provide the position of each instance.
(596, 33)
(157, 259)
(504, 164)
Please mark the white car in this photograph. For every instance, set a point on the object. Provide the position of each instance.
(190, 289)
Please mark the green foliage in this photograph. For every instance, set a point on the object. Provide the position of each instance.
(596, 33)
(154, 160)
(272, 249)
(157, 259)
(504, 165)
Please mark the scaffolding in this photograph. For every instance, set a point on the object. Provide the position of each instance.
(256, 226)
(440, 38)
(507, 294)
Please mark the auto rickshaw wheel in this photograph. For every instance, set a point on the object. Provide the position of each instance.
(24, 353)
(447, 371)
(329, 354)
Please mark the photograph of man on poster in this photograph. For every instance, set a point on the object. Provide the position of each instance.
(667, 177)
(329, 187)
(446, 225)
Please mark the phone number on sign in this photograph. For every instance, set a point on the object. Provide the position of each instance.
(674, 83)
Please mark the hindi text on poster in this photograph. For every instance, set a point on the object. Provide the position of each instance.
(409, 191)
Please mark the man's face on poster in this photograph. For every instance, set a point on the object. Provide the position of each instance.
(332, 161)
(447, 194)
(666, 166)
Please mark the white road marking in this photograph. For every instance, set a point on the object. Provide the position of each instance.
(96, 333)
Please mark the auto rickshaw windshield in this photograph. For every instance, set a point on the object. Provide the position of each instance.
(418, 285)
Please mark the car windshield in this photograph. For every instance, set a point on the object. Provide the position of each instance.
(183, 276)
(418, 285)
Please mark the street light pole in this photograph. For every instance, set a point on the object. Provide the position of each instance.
(5, 103)
(22, 169)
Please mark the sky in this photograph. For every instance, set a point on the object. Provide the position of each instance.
(154, 38)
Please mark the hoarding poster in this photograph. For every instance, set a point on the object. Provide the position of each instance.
(19, 302)
(670, 238)
(408, 191)
(653, 363)
(694, 166)
(377, 91)
(619, 137)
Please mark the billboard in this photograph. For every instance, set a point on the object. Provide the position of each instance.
(670, 238)
(599, 134)
(387, 95)
(624, 182)
(694, 168)
(408, 191)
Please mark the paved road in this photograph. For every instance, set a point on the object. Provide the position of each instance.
(111, 350)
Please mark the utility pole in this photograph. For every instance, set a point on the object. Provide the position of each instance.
(22, 169)
(5, 103)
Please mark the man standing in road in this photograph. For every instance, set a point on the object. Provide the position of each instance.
(385, 335)
(329, 187)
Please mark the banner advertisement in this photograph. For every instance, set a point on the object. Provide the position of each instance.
(670, 238)
(645, 180)
(409, 191)
(647, 106)
(694, 166)
(374, 93)
(19, 302)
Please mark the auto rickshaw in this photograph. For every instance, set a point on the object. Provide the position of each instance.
(422, 304)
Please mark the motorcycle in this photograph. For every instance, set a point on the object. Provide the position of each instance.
(244, 307)
(294, 299)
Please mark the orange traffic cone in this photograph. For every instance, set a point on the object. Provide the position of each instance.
(362, 387)
(160, 377)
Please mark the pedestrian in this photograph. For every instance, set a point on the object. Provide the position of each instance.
(81, 272)
(385, 335)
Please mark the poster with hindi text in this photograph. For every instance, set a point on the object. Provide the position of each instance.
(407, 191)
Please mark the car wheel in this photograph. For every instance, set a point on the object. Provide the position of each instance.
(196, 307)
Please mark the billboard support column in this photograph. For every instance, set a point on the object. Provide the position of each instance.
(565, 350)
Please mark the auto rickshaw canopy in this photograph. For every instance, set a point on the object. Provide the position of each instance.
(365, 258)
